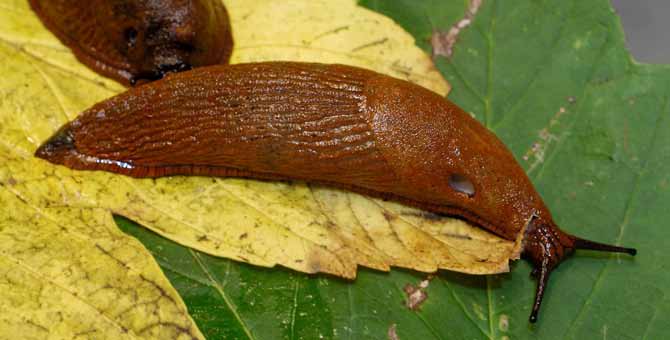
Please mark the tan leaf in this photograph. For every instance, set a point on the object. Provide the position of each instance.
(56, 238)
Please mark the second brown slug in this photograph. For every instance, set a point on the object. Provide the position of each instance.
(332, 124)
(133, 40)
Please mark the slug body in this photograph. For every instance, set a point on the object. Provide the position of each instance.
(331, 124)
(131, 40)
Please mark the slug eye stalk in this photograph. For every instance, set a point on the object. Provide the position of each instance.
(547, 246)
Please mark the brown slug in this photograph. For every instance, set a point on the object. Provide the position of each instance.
(132, 40)
(332, 124)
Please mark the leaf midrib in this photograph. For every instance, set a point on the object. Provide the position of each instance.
(220, 289)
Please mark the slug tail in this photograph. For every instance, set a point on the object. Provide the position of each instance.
(59, 147)
(546, 246)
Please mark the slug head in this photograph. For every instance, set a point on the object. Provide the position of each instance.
(546, 246)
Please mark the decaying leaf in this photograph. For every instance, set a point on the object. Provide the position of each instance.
(415, 296)
(443, 43)
(74, 254)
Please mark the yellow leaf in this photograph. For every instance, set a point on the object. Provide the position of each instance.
(60, 253)
(329, 32)
(69, 272)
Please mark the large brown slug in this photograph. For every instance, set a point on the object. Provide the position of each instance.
(331, 124)
(132, 40)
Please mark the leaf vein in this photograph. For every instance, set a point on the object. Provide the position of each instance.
(222, 293)
(624, 221)
(37, 274)
(460, 303)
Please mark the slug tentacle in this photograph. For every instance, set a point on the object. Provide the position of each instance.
(547, 246)
(591, 245)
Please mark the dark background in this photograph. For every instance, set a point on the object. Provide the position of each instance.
(647, 27)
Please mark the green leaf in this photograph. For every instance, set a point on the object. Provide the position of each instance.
(553, 80)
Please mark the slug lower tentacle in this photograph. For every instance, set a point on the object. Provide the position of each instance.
(140, 40)
(546, 246)
(331, 124)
